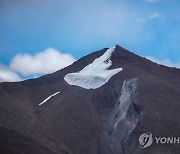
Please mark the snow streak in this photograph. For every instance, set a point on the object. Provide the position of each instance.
(49, 97)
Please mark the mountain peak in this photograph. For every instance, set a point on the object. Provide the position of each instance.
(95, 74)
(112, 98)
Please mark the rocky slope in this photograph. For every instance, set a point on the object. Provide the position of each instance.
(108, 119)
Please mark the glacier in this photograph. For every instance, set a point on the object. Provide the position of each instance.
(95, 74)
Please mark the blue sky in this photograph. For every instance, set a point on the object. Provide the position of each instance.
(78, 27)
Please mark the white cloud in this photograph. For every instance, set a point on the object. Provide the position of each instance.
(44, 62)
(7, 75)
(154, 15)
(150, 17)
(164, 62)
(151, 1)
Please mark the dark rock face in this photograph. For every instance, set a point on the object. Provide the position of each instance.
(144, 97)
(12, 142)
(122, 121)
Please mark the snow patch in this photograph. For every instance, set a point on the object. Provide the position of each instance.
(49, 97)
(95, 74)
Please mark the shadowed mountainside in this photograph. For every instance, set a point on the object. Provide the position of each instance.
(143, 97)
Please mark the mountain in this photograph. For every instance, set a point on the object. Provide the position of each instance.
(100, 104)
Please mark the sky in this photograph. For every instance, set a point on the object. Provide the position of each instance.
(41, 36)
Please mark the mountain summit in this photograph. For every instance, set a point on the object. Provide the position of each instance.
(100, 104)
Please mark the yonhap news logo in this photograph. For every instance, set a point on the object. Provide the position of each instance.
(146, 140)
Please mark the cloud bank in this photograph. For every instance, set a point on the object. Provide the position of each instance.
(7, 75)
(44, 62)
(23, 65)
(164, 62)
